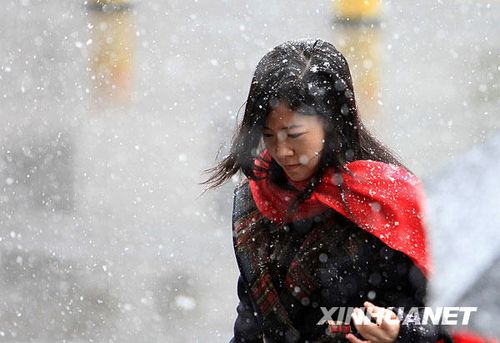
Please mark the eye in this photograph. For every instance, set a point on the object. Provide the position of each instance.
(267, 135)
(295, 135)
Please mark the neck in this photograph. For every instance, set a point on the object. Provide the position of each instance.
(300, 185)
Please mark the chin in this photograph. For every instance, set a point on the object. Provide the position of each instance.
(297, 178)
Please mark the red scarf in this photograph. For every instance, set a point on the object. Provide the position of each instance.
(383, 199)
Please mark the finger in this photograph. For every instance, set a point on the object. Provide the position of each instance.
(372, 307)
(366, 328)
(353, 339)
(373, 313)
(368, 304)
(389, 318)
(359, 317)
(379, 318)
(379, 314)
(384, 326)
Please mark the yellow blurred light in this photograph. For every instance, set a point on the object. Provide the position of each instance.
(357, 9)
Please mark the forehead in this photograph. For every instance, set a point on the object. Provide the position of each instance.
(282, 117)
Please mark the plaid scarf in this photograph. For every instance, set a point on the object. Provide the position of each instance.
(255, 239)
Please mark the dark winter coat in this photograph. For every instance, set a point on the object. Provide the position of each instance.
(288, 272)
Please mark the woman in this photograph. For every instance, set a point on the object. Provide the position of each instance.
(326, 217)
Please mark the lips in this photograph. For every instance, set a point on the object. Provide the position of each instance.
(292, 166)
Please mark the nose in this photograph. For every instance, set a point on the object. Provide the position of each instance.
(283, 150)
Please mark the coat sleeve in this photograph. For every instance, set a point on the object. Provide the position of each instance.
(408, 291)
(246, 326)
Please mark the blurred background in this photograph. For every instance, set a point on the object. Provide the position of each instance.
(111, 110)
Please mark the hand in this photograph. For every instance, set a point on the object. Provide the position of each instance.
(385, 330)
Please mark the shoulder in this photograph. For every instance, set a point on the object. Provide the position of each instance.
(381, 171)
(246, 220)
(385, 183)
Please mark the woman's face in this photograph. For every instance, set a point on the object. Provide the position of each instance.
(295, 141)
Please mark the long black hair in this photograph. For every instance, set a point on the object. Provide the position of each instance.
(311, 77)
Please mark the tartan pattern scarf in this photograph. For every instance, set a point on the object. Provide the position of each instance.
(253, 240)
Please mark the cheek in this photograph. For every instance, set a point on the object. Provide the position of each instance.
(268, 143)
(308, 151)
(315, 145)
(319, 145)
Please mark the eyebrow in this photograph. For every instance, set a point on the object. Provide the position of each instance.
(285, 127)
